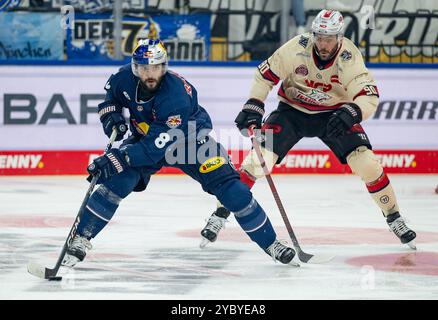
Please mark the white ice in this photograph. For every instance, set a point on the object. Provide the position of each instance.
(150, 250)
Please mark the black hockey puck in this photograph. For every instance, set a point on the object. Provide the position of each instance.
(55, 278)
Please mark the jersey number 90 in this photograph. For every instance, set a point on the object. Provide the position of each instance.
(371, 90)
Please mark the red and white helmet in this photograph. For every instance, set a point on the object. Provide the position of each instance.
(329, 22)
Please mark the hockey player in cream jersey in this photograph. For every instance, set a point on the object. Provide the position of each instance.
(326, 92)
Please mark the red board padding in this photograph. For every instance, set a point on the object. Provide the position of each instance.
(299, 161)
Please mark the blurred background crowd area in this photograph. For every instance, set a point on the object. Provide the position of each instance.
(99, 31)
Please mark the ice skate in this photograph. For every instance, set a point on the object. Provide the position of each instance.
(77, 251)
(280, 252)
(398, 226)
(215, 223)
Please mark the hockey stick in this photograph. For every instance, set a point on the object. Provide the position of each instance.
(303, 256)
(50, 274)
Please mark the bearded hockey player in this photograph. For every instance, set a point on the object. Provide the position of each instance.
(164, 114)
(326, 92)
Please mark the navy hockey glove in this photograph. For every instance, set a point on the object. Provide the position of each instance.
(251, 115)
(343, 119)
(110, 164)
(111, 117)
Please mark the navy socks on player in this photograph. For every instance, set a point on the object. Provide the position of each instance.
(99, 210)
(256, 224)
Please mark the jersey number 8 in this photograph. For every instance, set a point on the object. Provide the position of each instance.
(162, 139)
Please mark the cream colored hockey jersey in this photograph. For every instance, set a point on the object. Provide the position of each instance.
(311, 90)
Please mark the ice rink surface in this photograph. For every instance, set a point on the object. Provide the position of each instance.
(151, 250)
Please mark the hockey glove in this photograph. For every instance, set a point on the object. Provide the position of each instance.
(108, 165)
(111, 118)
(343, 119)
(251, 115)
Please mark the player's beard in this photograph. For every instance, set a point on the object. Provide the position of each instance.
(328, 54)
(151, 84)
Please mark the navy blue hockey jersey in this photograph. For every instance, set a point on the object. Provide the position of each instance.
(173, 106)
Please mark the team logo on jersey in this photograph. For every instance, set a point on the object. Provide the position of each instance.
(346, 55)
(319, 96)
(303, 42)
(140, 108)
(302, 69)
(142, 127)
(314, 97)
(315, 85)
(212, 164)
(174, 121)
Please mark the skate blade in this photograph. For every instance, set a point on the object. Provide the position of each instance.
(69, 261)
(412, 245)
(204, 243)
(294, 264)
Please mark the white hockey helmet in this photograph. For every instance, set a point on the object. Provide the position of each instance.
(328, 22)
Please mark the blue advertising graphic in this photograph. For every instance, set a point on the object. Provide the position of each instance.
(8, 4)
(186, 37)
(25, 35)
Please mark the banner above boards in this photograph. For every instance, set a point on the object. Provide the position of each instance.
(186, 37)
(31, 36)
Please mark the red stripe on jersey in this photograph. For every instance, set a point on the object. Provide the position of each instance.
(308, 106)
(361, 93)
(379, 184)
(335, 79)
(270, 76)
(368, 90)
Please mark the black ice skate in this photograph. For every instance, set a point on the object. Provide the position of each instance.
(401, 230)
(215, 223)
(280, 252)
(77, 251)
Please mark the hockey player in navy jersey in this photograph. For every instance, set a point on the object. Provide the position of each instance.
(164, 118)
